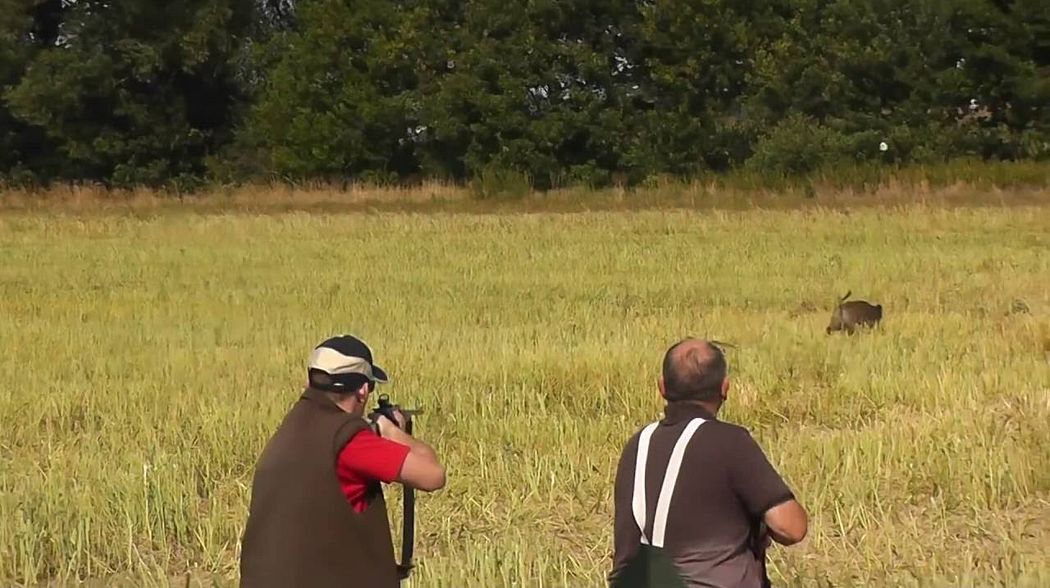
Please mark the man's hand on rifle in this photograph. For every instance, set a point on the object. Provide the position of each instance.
(386, 426)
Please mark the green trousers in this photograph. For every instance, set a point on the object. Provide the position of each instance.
(651, 567)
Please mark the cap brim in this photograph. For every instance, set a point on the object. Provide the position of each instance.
(379, 375)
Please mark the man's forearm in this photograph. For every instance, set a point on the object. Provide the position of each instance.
(782, 540)
(399, 436)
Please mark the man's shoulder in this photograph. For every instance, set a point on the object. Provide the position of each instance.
(369, 456)
(728, 429)
(712, 425)
(365, 438)
(638, 430)
(730, 435)
(630, 445)
(349, 426)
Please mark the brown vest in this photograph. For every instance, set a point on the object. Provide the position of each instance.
(301, 531)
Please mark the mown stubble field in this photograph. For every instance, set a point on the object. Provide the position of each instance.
(147, 358)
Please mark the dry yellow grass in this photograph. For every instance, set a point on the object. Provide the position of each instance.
(961, 184)
(148, 357)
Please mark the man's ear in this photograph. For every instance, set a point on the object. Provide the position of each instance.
(663, 387)
(362, 393)
(725, 388)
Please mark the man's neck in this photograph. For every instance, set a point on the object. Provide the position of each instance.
(350, 405)
(346, 403)
(711, 407)
(707, 406)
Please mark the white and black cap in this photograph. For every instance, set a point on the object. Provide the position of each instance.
(342, 362)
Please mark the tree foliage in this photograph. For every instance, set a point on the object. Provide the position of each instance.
(556, 91)
(130, 92)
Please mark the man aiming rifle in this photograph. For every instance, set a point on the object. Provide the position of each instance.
(317, 515)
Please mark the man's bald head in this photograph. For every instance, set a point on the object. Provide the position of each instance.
(693, 369)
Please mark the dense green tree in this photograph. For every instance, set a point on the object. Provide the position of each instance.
(539, 87)
(558, 91)
(135, 92)
(931, 79)
(26, 27)
(695, 63)
(339, 99)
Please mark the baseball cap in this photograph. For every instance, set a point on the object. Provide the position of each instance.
(344, 358)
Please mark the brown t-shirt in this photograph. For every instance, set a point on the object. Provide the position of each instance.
(724, 486)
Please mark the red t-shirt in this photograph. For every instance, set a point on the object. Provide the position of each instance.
(366, 459)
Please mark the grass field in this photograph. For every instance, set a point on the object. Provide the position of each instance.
(147, 357)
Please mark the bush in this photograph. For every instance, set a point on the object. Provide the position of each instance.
(498, 182)
(797, 146)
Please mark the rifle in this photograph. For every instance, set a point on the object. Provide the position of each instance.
(408, 521)
(759, 549)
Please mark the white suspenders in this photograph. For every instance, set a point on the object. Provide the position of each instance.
(663, 502)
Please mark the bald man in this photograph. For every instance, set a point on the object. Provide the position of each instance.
(696, 500)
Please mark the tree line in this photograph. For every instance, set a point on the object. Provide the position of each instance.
(189, 92)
